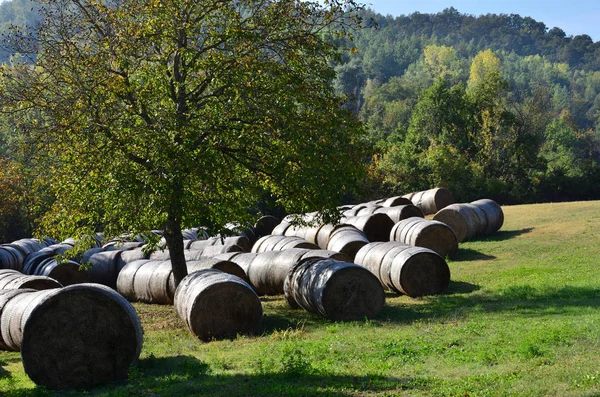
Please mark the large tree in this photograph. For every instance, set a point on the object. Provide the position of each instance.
(178, 113)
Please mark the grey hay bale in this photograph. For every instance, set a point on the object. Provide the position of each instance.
(432, 234)
(405, 269)
(5, 296)
(105, 267)
(130, 256)
(493, 214)
(89, 335)
(339, 291)
(13, 279)
(400, 212)
(66, 272)
(217, 305)
(319, 253)
(268, 270)
(346, 239)
(279, 243)
(225, 266)
(241, 241)
(215, 250)
(376, 227)
(463, 219)
(393, 202)
(280, 229)
(432, 200)
(147, 281)
(307, 233)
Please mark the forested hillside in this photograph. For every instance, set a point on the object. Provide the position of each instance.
(495, 105)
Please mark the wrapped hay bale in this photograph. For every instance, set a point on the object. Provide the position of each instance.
(280, 243)
(420, 232)
(493, 214)
(466, 220)
(376, 227)
(13, 279)
(405, 269)
(432, 200)
(216, 305)
(339, 291)
(87, 333)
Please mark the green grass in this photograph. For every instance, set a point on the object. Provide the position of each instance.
(521, 318)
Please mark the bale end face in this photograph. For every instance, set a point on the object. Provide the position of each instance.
(89, 335)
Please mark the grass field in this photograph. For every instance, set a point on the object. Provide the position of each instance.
(521, 318)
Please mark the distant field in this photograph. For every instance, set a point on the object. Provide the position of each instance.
(521, 318)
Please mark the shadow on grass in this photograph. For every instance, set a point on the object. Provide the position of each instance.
(188, 376)
(502, 235)
(4, 373)
(468, 254)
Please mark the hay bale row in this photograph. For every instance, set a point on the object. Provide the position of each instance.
(472, 220)
(405, 269)
(432, 200)
(337, 290)
(14, 279)
(12, 256)
(152, 281)
(74, 337)
(420, 232)
(216, 305)
(280, 243)
(266, 271)
(45, 263)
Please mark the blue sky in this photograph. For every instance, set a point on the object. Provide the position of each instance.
(573, 16)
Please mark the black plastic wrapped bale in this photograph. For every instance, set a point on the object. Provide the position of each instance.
(66, 272)
(217, 305)
(420, 232)
(13, 279)
(131, 255)
(105, 267)
(265, 225)
(10, 258)
(405, 269)
(493, 214)
(280, 243)
(339, 291)
(393, 201)
(346, 239)
(89, 335)
(462, 219)
(432, 200)
(376, 227)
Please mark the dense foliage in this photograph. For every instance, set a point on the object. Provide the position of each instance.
(495, 105)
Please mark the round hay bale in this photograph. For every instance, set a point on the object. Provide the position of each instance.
(339, 291)
(346, 239)
(89, 334)
(481, 225)
(199, 245)
(280, 229)
(66, 272)
(217, 305)
(279, 243)
(493, 214)
(400, 212)
(376, 227)
(5, 296)
(265, 225)
(462, 220)
(268, 270)
(13, 279)
(215, 250)
(394, 202)
(413, 271)
(225, 266)
(105, 268)
(130, 256)
(432, 234)
(243, 259)
(432, 200)
(9, 258)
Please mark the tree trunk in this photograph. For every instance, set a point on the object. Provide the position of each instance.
(174, 240)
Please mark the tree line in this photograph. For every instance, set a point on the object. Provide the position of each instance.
(493, 106)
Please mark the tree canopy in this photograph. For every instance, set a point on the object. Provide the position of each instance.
(179, 113)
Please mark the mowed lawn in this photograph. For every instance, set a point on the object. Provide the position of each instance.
(521, 318)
